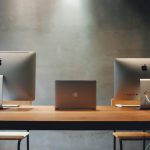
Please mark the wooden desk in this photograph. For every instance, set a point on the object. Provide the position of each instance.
(46, 118)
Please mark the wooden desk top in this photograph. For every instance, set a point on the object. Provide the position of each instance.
(46, 117)
(48, 113)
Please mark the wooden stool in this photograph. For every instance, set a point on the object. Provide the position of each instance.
(131, 136)
(12, 135)
(19, 136)
(128, 135)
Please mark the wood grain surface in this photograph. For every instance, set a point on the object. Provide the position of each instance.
(48, 113)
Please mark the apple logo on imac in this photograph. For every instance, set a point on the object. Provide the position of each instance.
(144, 67)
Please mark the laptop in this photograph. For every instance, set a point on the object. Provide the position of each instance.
(144, 93)
(75, 95)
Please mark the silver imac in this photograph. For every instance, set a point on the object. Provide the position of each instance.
(127, 75)
(17, 75)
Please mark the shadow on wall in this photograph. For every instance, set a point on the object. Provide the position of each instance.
(141, 6)
(127, 21)
(121, 14)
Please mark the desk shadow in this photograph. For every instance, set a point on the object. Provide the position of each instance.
(18, 109)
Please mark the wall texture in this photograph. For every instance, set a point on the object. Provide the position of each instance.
(75, 39)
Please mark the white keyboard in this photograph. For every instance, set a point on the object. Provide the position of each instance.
(10, 105)
(126, 105)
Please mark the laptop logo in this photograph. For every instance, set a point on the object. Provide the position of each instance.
(75, 94)
(144, 67)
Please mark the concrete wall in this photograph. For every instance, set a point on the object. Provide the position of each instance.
(75, 39)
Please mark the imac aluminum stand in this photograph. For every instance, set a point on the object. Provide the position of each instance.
(145, 93)
(4, 106)
(1, 91)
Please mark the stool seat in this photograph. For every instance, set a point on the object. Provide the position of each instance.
(8, 135)
(132, 135)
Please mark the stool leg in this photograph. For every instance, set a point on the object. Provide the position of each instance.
(114, 143)
(18, 146)
(121, 148)
(28, 141)
(144, 141)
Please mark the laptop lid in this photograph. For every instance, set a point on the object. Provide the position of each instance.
(75, 94)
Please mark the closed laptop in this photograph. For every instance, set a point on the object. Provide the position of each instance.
(75, 94)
